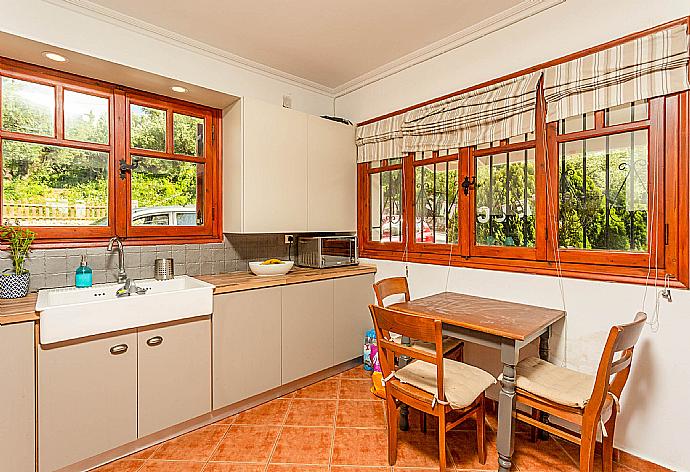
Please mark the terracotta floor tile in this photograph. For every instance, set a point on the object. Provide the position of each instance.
(573, 451)
(311, 413)
(356, 390)
(360, 447)
(194, 446)
(356, 373)
(296, 468)
(544, 456)
(144, 454)
(172, 466)
(229, 420)
(417, 449)
(122, 465)
(463, 447)
(246, 443)
(356, 468)
(271, 413)
(233, 467)
(361, 414)
(298, 445)
(326, 389)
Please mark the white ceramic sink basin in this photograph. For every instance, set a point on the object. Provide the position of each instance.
(70, 313)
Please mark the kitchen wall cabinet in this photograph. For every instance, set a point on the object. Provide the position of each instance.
(286, 171)
(351, 319)
(332, 176)
(174, 374)
(17, 398)
(246, 344)
(87, 394)
(307, 329)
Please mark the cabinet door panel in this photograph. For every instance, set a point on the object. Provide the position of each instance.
(246, 344)
(174, 374)
(87, 393)
(332, 182)
(17, 421)
(352, 319)
(307, 321)
(275, 169)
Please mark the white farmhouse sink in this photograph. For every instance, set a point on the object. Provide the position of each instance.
(70, 313)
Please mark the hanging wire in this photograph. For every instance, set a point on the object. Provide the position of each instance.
(653, 320)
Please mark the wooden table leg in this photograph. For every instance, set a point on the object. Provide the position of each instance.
(544, 354)
(506, 406)
(404, 409)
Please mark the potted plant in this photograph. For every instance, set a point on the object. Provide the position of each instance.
(14, 283)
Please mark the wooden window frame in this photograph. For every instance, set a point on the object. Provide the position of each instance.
(118, 147)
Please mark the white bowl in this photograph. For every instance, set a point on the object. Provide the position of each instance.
(271, 269)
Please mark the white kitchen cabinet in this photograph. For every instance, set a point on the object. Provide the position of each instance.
(351, 319)
(87, 394)
(174, 374)
(265, 169)
(307, 329)
(246, 344)
(17, 398)
(286, 171)
(332, 176)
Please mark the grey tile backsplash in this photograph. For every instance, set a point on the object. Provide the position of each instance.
(55, 267)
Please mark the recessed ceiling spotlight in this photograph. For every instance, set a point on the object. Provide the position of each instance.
(53, 56)
(178, 89)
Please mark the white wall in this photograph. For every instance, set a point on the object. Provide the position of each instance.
(58, 26)
(654, 423)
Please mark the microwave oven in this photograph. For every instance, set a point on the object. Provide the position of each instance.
(321, 252)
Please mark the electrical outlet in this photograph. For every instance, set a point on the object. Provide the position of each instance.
(289, 239)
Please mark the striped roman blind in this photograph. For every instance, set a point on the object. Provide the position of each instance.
(646, 67)
(380, 140)
(498, 111)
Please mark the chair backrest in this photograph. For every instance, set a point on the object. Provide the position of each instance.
(388, 321)
(616, 361)
(391, 286)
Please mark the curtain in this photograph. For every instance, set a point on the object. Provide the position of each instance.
(646, 67)
(498, 111)
(380, 140)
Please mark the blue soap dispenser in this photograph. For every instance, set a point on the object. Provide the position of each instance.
(84, 275)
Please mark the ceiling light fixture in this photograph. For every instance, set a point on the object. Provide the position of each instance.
(53, 56)
(178, 89)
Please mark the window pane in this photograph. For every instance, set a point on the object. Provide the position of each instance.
(505, 199)
(147, 128)
(188, 135)
(53, 186)
(162, 187)
(603, 193)
(627, 113)
(576, 123)
(436, 203)
(521, 138)
(28, 107)
(386, 206)
(86, 117)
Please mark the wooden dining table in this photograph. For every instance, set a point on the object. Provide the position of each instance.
(497, 324)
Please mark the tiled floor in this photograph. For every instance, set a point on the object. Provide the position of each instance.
(335, 425)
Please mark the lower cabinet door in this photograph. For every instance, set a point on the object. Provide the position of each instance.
(87, 394)
(174, 374)
(307, 329)
(352, 319)
(246, 344)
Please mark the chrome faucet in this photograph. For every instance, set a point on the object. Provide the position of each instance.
(130, 288)
(121, 274)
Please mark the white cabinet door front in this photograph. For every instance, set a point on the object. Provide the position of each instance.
(352, 319)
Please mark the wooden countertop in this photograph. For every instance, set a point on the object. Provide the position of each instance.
(239, 281)
(23, 309)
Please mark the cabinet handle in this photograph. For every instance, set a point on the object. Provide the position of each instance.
(155, 341)
(119, 349)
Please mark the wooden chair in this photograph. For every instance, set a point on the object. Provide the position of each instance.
(582, 399)
(431, 384)
(452, 348)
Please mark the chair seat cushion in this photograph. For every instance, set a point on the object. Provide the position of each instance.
(557, 384)
(462, 383)
(430, 348)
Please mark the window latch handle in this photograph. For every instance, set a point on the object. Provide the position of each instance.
(124, 167)
(467, 183)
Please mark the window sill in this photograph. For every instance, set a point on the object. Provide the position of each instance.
(97, 242)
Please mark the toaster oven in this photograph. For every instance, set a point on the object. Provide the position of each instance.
(327, 251)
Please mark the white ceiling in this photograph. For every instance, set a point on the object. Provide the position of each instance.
(330, 43)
